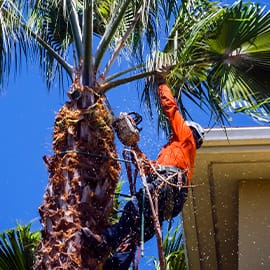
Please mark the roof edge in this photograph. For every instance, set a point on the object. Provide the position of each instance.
(237, 133)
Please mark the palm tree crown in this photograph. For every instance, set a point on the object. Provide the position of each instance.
(205, 57)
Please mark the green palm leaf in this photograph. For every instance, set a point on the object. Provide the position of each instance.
(17, 248)
(12, 43)
(222, 60)
(51, 23)
(188, 63)
(241, 53)
(173, 250)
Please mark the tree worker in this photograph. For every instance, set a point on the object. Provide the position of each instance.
(176, 159)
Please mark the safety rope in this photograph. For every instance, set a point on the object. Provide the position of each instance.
(142, 223)
(92, 155)
(132, 181)
(155, 214)
(132, 161)
(155, 171)
(166, 180)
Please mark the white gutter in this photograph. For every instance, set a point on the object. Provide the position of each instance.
(237, 135)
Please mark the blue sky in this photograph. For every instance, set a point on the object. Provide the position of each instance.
(27, 112)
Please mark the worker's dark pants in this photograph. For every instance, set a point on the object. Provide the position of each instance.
(170, 203)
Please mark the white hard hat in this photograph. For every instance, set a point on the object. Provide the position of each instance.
(198, 132)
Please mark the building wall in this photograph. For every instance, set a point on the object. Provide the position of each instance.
(218, 203)
(254, 225)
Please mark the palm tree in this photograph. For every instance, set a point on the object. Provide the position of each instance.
(82, 39)
(84, 169)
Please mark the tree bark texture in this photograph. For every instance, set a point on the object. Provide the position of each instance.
(83, 173)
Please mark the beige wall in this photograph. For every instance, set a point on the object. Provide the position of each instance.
(254, 225)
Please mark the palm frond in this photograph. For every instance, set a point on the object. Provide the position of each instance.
(128, 36)
(115, 30)
(51, 23)
(222, 60)
(114, 217)
(192, 18)
(18, 247)
(173, 250)
(122, 16)
(187, 64)
(153, 28)
(12, 39)
(241, 53)
(87, 44)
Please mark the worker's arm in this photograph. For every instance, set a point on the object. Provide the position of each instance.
(170, 109)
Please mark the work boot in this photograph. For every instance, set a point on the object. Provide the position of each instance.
(93, 239)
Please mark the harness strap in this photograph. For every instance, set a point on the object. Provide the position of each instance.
(161, 168)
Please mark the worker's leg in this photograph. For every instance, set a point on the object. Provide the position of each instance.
(120, 260)
(130, 221)
(122, 237)
(180, 199)
(127, 224)
(130, 225)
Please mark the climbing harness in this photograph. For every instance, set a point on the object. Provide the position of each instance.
(142, 223)
(134, 156)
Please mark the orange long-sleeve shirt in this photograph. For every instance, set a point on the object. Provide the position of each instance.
(180, 151)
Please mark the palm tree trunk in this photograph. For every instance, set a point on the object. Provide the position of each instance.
(83, 173)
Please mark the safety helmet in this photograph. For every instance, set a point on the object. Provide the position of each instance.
(126, 126)
(197, 131)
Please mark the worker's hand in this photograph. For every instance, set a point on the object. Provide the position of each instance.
(161, 75)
